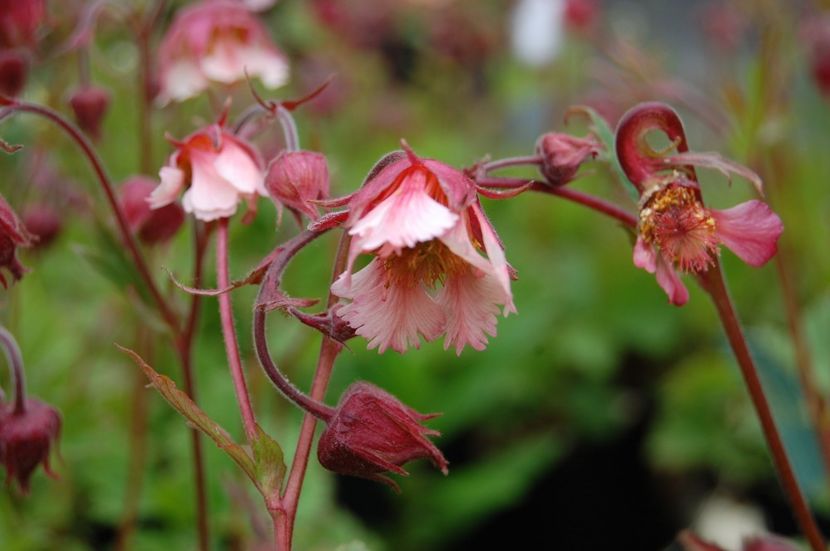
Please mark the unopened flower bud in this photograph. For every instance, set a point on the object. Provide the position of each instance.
(563, 154)
(13, 71)
(295, 178)
(372, 432)
(26, 438)
(152, 225)
(90, 105)
(13, 234)
(43, 222)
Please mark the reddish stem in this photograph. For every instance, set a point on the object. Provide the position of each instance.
(638, 160)
(89, 152)
(712, 281)
(229, 333)
(15, 361)
(511, 161)
(585, 199)
(329, 349)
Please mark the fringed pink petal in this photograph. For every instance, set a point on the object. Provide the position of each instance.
(181, 80)
(385, 172)
(644, 256)
(750, 230)
(210, 195)
(408, 217)
(388, 315)
(670, 282)
(471, 301)
(172, 181)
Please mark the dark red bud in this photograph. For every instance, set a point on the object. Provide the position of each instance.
(19, 21)
(580, 15)
(26, 438)
(13, 234)
(43, 222)
(90, 105)
(372, 432)
(296, 178)
(14, 69)
(563, 154)
(153, 226)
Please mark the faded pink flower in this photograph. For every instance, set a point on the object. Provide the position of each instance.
(218, 170)
(677, 232)
(216, 41)
(423, 224)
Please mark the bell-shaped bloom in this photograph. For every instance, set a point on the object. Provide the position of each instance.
(677, 232)
(423, 224)
(216, 41)
(44, 222)
(153, 226)
(372, 432)
(217, 169)
(90, 104)
(296, 178)
(13, 234)
(26, 438)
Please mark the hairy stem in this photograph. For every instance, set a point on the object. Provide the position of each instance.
(229, 334)
(15, 361)
(511, 161)
(329, 349)
(713, 282)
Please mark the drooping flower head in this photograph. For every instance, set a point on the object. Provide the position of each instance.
(217, 169)
(676, 231)
(19, 22)
(372, 432)
(563, 154)
(26, 439)
(423, 224)
(216, 41)
(13, 234)
(296, 178)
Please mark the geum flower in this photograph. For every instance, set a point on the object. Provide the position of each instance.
(421, 221)
(13, 235)
(218, 169)
(676, 232)
(216, 41)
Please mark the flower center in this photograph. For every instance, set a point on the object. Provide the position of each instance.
(428, 263)
(677, 223)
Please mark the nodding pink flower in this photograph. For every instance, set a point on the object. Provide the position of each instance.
(216, 41)
(218, 170)
(44, 222)
(26, 437)
(372, 432)
(423, 224)
(296, 178)
(153, 226)
(676, 232)
(19, 21)
(13, 234)
(563, 154)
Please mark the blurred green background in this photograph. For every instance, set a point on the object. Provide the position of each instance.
(600, 417)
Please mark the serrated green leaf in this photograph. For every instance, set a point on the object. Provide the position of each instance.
(182, 403)
(270, 465)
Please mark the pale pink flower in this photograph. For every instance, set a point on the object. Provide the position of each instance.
(216, 41)
(422, 222)
(217, 169)
(677, 232)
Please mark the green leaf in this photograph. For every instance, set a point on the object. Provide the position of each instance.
(269, 464)
(606, 136)
(182, 403)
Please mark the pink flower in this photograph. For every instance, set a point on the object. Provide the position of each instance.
(563, 154)
(216, 41)
(677, 232)
(27, 436)
(422, 222)
(19, 21)
(218, 170)
(13, 235)
(296, 178)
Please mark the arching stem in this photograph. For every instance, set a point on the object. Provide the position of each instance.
(15, 361)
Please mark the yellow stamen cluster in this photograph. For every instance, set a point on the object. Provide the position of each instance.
(428, 263)
(674, 220)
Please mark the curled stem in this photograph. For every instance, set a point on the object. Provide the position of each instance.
(15, 361)
(289, 129)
